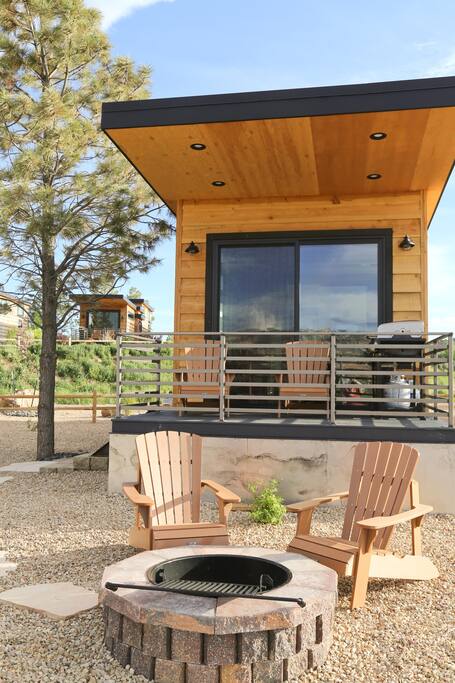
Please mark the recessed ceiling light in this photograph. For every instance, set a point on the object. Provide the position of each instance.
(374, 176)
(218, 183)
(378, 135)
(197, 146)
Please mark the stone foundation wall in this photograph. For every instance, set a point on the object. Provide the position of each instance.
(305, 469)
(168, 655)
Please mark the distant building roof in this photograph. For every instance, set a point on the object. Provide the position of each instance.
(96, 298)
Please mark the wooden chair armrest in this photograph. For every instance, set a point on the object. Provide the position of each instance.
(383, 522)
(311, 504)
(220, 491)
(131, 492)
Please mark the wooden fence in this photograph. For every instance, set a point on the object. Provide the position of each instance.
(94, 406)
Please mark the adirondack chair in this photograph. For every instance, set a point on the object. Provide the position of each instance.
(167, 494)
(304, 370)
(381, 476)
(203, 365)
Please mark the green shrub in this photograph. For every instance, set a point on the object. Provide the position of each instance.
(267, 505)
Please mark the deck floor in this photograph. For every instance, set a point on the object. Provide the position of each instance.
(426, 430)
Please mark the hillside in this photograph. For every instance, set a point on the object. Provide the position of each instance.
(81, 368)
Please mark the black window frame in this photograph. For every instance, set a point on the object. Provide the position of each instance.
(381, 236)
(104, 310)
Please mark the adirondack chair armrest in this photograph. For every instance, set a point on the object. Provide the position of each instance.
(220, 491)
(131, 492)
(315, 502)
(377, 523)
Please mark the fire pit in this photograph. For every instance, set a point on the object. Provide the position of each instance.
(230, 614)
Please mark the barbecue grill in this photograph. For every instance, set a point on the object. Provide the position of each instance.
(402, 336)
(401, 333)
(216, 576)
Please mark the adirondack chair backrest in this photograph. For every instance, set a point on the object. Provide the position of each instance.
(209, 359)
(297, 354)
(170, 473)
(380, 478)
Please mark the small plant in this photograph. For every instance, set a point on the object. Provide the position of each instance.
(267, 505)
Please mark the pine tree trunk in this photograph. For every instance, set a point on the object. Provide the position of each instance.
(48, 360)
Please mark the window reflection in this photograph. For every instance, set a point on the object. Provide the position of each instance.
(257, 288)
(339, 287)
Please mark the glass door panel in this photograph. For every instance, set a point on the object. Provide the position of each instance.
(339, 287)
(256, 288)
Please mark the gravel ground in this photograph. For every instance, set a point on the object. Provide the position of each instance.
(64, 527)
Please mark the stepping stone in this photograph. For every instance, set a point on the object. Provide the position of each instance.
(6, 567)
(33, 466)
(37, 466)
(55, 600)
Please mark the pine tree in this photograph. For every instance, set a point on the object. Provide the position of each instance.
(74, 215)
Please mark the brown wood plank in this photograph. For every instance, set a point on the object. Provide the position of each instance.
(365, 486)
(322, 549)
(143, 460)
(354, 487)
(398, 491)
(165, 473)
(198, 530)
(196, 449)
(185, 455)
(152, 450)
(176, 475)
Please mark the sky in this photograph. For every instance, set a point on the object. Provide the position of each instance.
(198, 47)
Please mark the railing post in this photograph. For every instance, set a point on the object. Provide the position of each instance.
(222, 381)
(94, 405)
(450, 379)
(118, 378)
(333, 365)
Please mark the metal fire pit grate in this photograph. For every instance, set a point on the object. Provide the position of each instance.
(216, 576)
(219, 587)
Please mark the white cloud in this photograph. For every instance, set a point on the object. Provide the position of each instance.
(446, 67)
(113, 10)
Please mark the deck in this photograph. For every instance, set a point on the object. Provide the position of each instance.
(409, 429)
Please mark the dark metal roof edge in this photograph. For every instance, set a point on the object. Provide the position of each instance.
(313, 101)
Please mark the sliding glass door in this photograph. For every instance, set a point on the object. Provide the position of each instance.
(323, 281)
(339, 287)
(256, 288)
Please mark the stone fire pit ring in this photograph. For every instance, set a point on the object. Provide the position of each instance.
(174, 638)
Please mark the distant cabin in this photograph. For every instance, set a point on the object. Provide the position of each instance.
(12, 316)
(100, 317)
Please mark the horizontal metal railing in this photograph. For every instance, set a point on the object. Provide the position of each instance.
(230, 374)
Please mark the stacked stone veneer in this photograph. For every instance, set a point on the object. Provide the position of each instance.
(175, 638)
(168, 655)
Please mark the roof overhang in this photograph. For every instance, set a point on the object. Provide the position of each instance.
(289, 143)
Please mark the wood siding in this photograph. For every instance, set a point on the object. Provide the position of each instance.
(403, 213)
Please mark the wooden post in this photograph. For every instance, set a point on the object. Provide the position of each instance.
(94, 405)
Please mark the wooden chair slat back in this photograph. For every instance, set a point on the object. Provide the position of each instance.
(210, 359)
(170, 473)
(297, 354)
(381, 475)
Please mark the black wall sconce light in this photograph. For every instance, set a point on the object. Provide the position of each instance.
(192, 248)
(407, 243)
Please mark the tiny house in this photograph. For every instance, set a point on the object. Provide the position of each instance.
(302, 217)
(300, 200)
(101, 317)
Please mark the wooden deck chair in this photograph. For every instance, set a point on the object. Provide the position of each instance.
(203, 365)
(381, 476)
(304, 371)
(167, 494)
